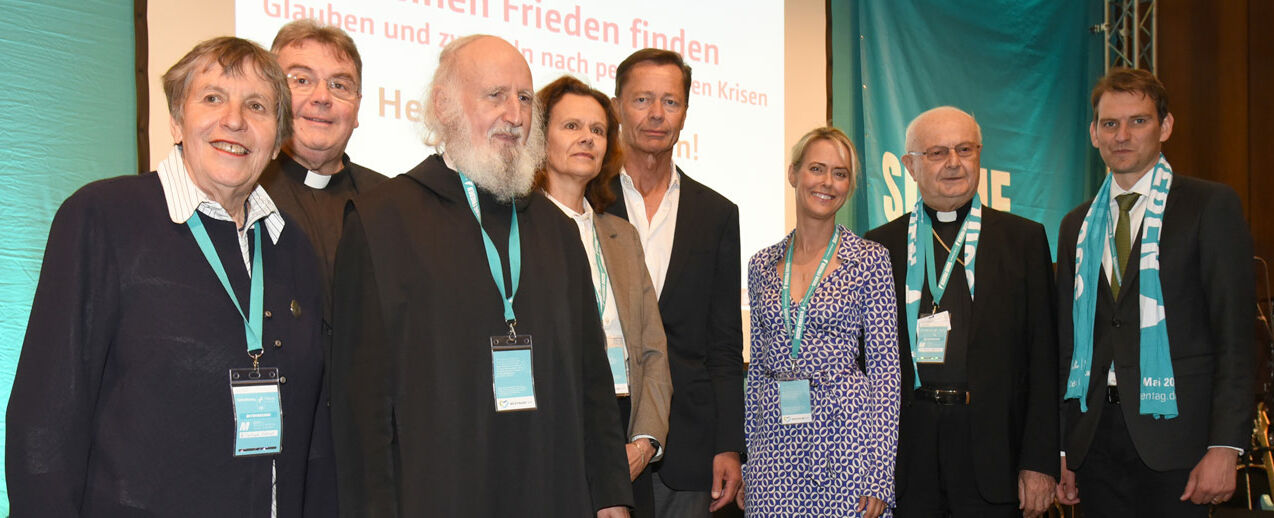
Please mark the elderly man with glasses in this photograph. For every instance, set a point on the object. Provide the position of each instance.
(978, 429)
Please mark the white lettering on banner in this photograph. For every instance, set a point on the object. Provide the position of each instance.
(896, 202)
(998, 181)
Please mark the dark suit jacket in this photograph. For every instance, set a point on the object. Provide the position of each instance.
(1205, 255)
(1012, 355)
(319, 212)
(701, 314)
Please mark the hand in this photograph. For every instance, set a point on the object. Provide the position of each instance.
(738, 497)
(870, 506)
(1067, 490)
(618, 511)
(1035, 492)
(1212, 479)
(639, 455)
(727, 477)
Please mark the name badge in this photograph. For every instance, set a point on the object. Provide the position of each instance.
(794, 402)
(512, 377)
(617, 354)
(931, 338)
(258, 412)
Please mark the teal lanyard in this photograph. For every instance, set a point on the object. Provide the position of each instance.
(493, 257)
(805, 302)
(939, 286)
(603, 277)
(251, 321)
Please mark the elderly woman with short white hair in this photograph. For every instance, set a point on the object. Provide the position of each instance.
(172, 364)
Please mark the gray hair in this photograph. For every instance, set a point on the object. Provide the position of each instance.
(444, 78)
(235, 56)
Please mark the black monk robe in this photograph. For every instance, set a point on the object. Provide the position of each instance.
(413, 411)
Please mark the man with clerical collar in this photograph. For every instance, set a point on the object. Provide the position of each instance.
(977, 431)
(1155, 309)
(470, 375)
(313, 177)
(690, 235)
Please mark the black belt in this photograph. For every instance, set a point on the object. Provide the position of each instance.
(1112, 394)
(943, 396)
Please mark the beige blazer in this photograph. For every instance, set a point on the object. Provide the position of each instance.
(649, 380)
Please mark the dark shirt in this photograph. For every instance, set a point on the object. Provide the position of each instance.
(319, 212)
(954, 372)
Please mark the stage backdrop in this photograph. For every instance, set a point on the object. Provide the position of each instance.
(68, 115)
(1023, 68)
(733, 135)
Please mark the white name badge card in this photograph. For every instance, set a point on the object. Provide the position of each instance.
(258, 412)
(794, 402)
(931, 338)
(617, 355)
(512, 377)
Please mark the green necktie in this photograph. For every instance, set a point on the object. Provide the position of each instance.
(1123, 242)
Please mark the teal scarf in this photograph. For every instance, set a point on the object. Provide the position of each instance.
(1158, 393)
(919, 225)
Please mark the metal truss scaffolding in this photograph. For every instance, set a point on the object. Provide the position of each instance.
(1130, 31)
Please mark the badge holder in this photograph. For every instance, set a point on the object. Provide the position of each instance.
(931, 337)
(794, 402)
(617, 355)
(258, 412)
(512, 376)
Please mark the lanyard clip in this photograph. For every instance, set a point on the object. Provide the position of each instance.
(512, 332)
(256, 361)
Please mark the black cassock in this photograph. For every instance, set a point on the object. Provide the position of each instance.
(414, 307)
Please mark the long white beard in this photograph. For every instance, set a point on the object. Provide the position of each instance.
(507, 173)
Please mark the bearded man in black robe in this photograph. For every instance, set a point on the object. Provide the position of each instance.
(435, 267)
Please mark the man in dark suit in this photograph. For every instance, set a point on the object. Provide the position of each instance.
(690, 235)
(313, 177)
(978, 430)
(1159, 434)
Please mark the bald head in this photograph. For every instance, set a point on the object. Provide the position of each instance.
(937, 138)
(939, 119)
(479, 113)
(477, 64)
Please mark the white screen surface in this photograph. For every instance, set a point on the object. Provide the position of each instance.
(733, 136)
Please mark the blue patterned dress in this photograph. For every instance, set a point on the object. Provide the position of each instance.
(823, 467)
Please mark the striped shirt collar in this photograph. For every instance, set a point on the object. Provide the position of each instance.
(184, 198)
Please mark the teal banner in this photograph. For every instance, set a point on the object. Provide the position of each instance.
(1022, 68)
(68, 115)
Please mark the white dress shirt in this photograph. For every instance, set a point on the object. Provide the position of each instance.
(184, 198)
(655, 232)
(1135, 215)
(584, 222)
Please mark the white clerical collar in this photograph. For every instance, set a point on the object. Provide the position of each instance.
(315, 180)
(946, 217)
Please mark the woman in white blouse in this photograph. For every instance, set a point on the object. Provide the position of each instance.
(583, 156)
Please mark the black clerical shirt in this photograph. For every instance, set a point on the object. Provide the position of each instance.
(953, 373)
